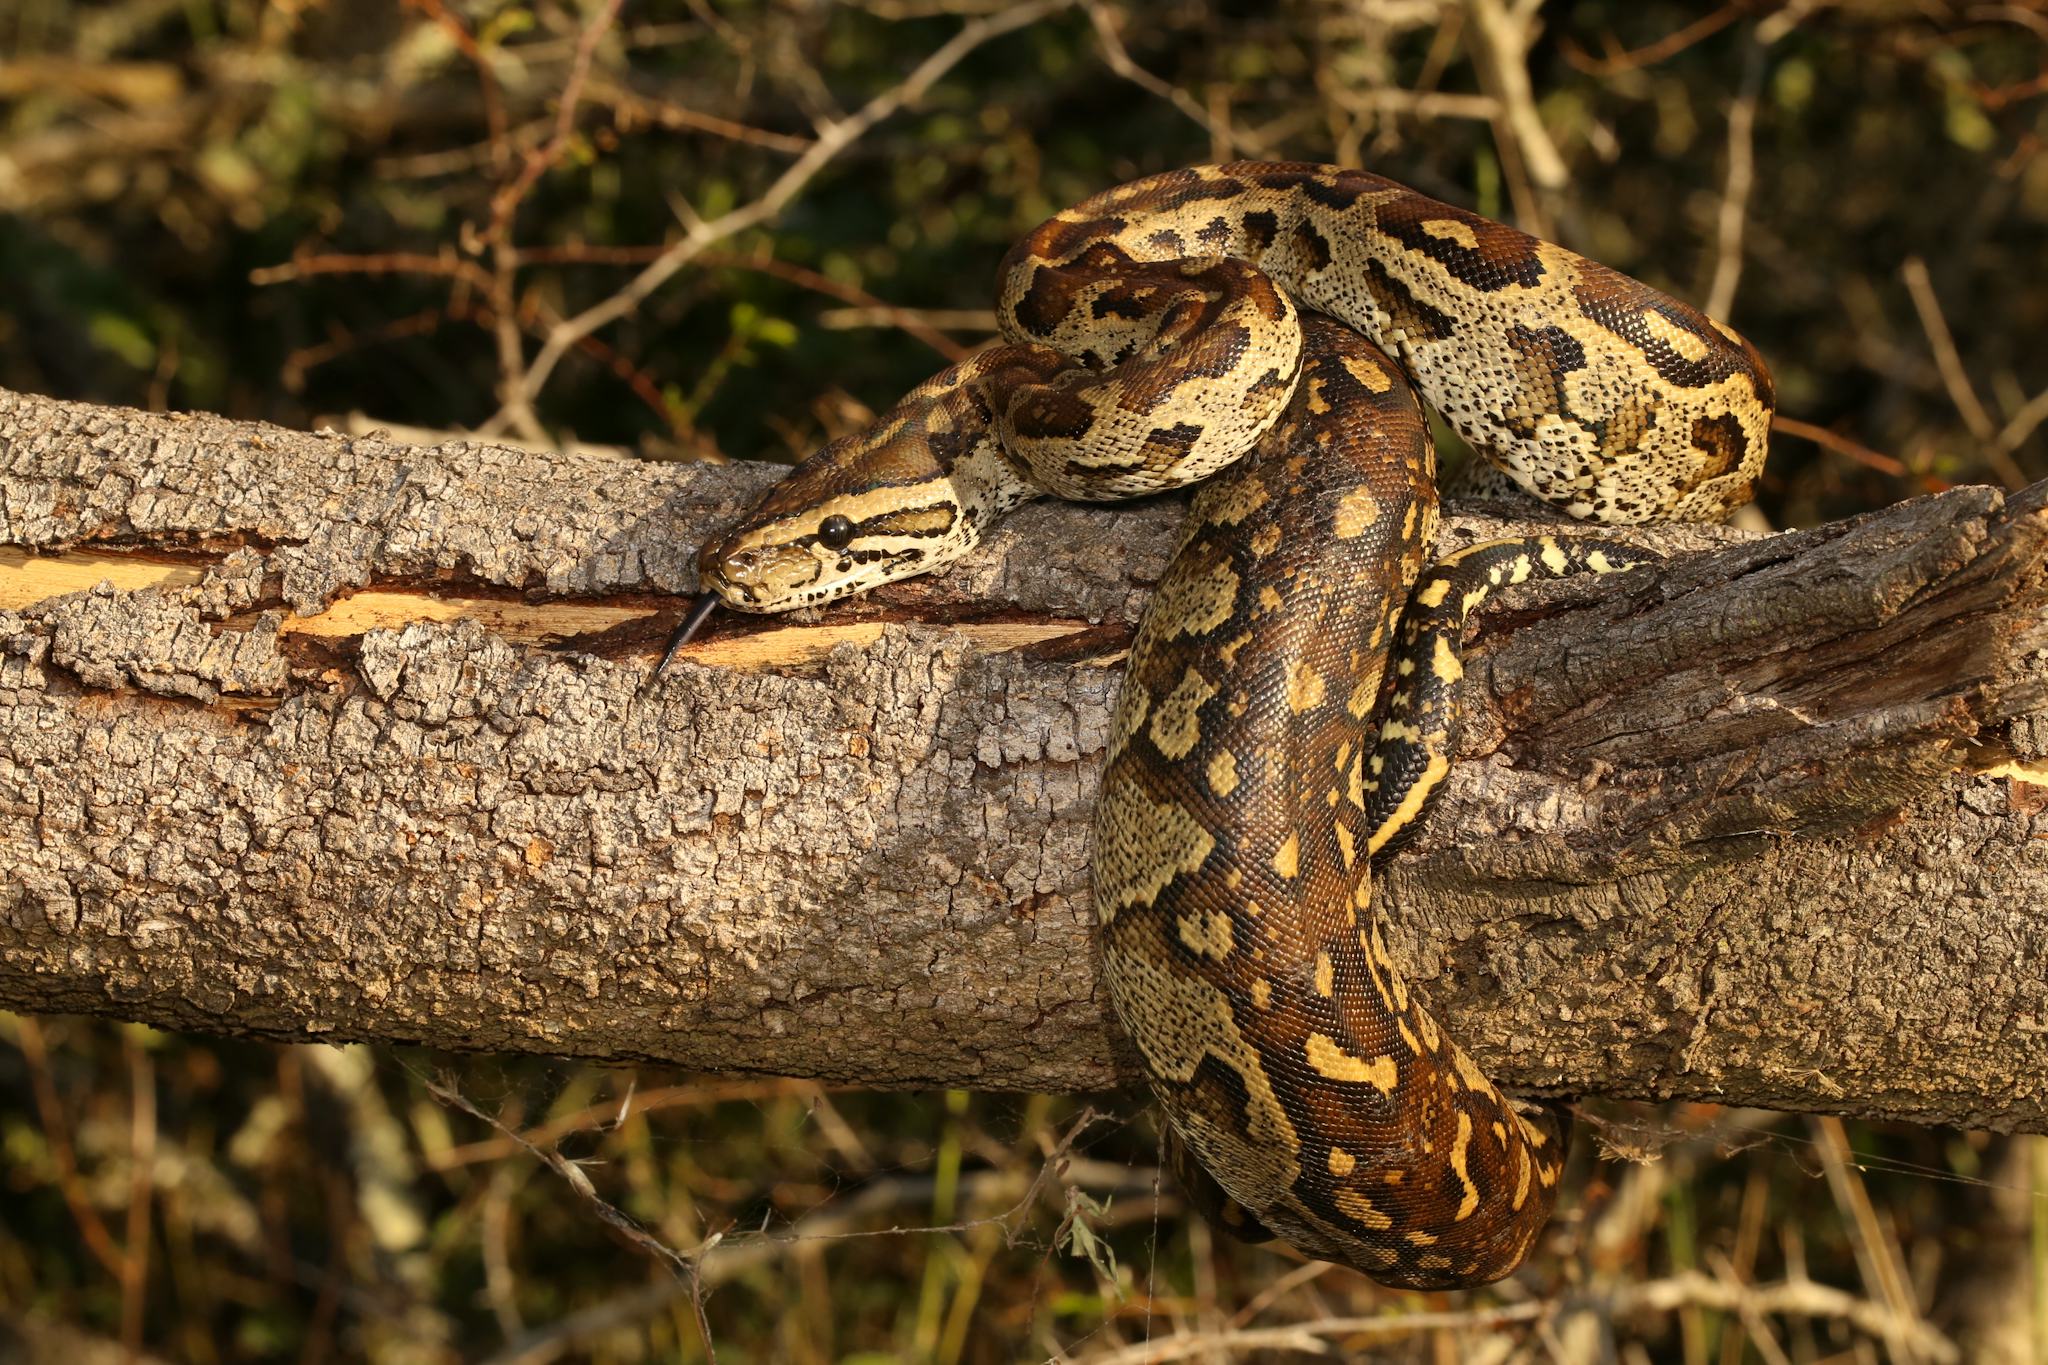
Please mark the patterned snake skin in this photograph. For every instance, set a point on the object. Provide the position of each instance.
(1283, 718)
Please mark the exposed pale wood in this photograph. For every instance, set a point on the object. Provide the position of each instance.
(522, 622)
(793, 645)
(26, 579)
(1768, 825)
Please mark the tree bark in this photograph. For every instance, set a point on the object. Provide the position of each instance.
(310, 736)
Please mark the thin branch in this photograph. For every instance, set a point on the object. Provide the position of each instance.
(1119, 60)
(1741, 177)
(681, 1264)
(304, 264)
(1792, 1297)
(28, 1036)
(2031, 414)
(1280, 1289)
(833, 138)
(1795, 1297)
(486, 79)
(1755, 1329)
(142, 1135)
(611, 1114)
(467, 274)
(1735, 189)
(840, 1220)
(505, 203)
(1932, 322)
(910, 320)
(1425, 104)
(1534, 168)
(1841, 445)
(1317, 1337)
(1877, 1257)
(494, 1232)
(517, 404)
(629, 105)
(297, 363)
(914, 321)
(1956, 378)
(457, 160)
(1663, 49)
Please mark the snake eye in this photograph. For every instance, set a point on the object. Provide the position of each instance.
(835, 531)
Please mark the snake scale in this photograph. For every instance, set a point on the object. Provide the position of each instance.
(1286, 708)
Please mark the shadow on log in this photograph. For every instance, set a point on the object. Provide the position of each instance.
(309, 736)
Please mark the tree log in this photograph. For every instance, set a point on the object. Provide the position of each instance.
(312, 736)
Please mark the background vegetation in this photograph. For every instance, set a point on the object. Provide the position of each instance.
(710, 229)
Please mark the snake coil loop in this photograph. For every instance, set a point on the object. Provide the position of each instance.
(1286, 710)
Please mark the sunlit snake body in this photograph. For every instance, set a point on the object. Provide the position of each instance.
(1265, 746)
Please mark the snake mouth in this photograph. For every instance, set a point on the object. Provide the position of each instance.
(756, 578)
(776, 577)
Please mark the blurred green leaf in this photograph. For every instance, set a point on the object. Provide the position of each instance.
(124, 337)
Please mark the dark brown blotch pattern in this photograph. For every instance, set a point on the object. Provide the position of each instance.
(1279, 667)
(1261, 228)
(1624, 307)
(1313, 246)
(1496, 257)
(1543, 356)
(1334, 1040)
(1722, 443)
(1412, 318)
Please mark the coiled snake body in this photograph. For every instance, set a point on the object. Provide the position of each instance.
(1282, 718)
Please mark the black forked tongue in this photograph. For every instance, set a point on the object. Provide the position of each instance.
(700, 612)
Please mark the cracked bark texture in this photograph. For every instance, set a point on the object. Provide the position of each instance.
(1764, 826)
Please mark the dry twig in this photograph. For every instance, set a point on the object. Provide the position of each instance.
(142, 1135)
(834, 136)
(1618, 60)
(1535, 169)
(1223, 139)
(1842, 445)
(28, 1036)
(1877, 1255)
(1795, 1297)
(840, 1220)
(1735, 189)
(1998, 445)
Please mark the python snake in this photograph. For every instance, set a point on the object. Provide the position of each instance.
(1282, 717)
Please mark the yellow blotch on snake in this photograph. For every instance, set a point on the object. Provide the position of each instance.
(1358, 1208)
(1175, 841)
(1287, 858)
(1199, 605)
(1331, 1060)
(1223, 773)
(1207, 932)
(1356, 513)
(1304, 686)
(1176, 721)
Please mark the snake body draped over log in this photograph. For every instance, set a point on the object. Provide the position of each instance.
(1282, 717)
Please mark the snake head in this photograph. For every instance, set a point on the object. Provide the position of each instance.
(910, 494)
(870, 508)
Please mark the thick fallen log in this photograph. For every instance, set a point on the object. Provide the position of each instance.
(311, 736)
